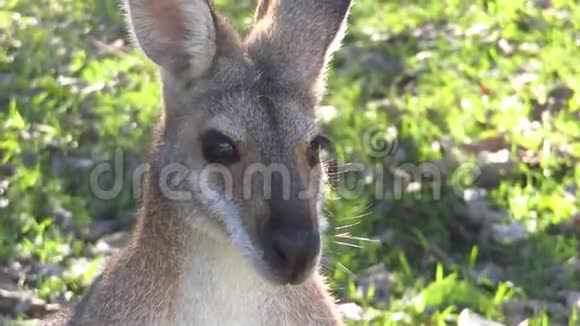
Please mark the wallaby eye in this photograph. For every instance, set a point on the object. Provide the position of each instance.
(219, 148)
(317, 144)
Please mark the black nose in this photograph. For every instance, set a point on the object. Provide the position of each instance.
(294, 253)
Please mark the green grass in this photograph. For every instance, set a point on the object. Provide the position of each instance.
(437, 75)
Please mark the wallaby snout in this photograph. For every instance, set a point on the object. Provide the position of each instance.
(293, 253)
(291, 237)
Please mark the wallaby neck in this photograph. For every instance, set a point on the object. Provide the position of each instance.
(209, 276)
(217, 280)
(211, 279)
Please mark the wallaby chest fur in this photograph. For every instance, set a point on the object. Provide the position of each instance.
(210, 284)
(218, 281)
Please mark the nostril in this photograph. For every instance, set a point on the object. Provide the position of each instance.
(279, 252)
(294, 249)
(292, 253)
(283, 248)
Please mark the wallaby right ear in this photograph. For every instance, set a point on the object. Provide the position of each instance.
(293, 40)
(178, 35)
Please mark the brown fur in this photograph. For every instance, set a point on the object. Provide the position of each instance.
(260, 92)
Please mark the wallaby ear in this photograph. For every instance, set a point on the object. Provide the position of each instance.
(293, 40)
(262, 9)
(178, 35)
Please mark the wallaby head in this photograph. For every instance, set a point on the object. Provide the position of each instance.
(236, 153)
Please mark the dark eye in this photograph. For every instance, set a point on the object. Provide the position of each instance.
(318, 144)
(218, 148)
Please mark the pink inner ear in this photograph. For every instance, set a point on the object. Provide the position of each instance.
(166, 19)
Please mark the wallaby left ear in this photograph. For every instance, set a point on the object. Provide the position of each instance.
(293, 40)
(178, 35)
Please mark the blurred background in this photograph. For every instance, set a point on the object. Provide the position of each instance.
(457, 128)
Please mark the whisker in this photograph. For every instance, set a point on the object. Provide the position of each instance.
(346, 270)
(329, 213)
(356, 217)
(327, 261)
(324, 264)
(369, 206)
(347, 226)
(332, 161)
(361, 215)
(348, 236)
(343, 168)
(346, 244)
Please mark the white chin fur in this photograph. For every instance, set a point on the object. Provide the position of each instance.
(225, 214)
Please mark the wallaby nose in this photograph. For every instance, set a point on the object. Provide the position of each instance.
(295, 253)
(291, 237)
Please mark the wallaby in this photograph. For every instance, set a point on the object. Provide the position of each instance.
(219, 256)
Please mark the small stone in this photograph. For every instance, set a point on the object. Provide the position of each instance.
(522, 79)
(491, 145)
(477, 29)
(116, 240)
(424, 55)
(571, 190)
(537, 306)
(62, 217)
(573, 300)
(558, 98)
(470, 318)
(380, 63)
(326, 113)
(508, 233)
(78, 267)
(79, 163)
(22, 302)
(376, 279)
(475, 205)
(506, 47)
(476, 215)
(562, 93)
(385, 236)
(492, 174)
(500, 157)
(99, 229)
(7, 283)
(542, 4)
(11, 276)
(515, 310)
(351, 311)
(102, 248)
(46, 269)
(474, 194)
(574, 263)
(568, 227)
(557, 309)
(7, 170)
(488, 272)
